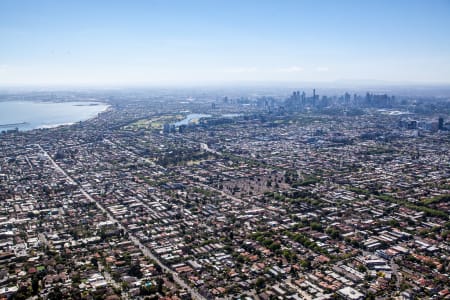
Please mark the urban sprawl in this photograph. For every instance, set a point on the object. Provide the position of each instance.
(228, 197)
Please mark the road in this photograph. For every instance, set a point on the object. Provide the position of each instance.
(145, 250)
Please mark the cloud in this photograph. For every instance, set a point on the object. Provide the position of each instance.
(322, 69)
(241, 70)
(290, 69)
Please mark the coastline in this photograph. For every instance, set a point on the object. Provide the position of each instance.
(18, 115)
(13, 124)
(107, 107)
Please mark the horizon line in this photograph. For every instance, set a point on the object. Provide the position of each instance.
(340, 83)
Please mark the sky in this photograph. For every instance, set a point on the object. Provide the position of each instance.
(133, 42)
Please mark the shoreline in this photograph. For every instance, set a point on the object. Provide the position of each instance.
(13, 124)
(33, 125)
(50, 126)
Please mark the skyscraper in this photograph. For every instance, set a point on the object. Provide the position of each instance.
(441, 123)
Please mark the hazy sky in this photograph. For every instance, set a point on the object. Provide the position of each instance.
(137, 42)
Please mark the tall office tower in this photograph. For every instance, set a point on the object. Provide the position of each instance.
(441, 123)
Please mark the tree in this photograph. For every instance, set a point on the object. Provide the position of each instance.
(125, 285)
(35, 285)
(305, 264)
(94, 262)
(260, 283)
(21, 294)
(316, 226)
(135, 271)
(76, 278)
(55, 294)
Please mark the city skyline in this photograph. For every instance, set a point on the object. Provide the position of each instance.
(205, 42)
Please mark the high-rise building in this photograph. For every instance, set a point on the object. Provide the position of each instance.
(166, 128)
(441, 123)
